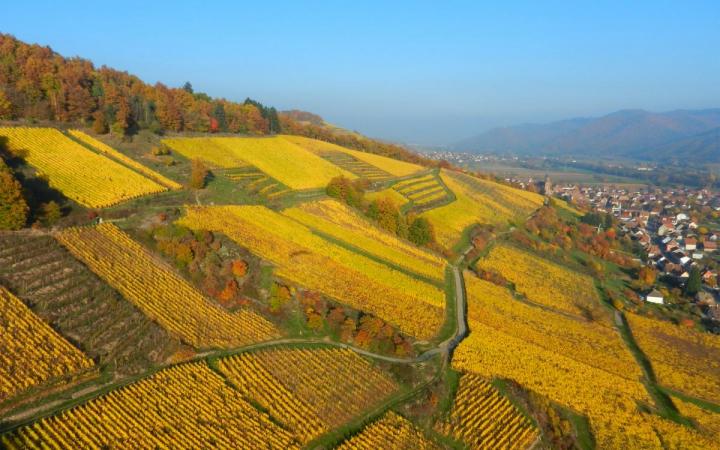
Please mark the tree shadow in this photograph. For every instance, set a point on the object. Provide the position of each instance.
(36, 188)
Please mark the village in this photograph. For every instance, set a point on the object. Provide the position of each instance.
(677, 232)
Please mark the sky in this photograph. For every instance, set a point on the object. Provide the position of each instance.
(417, 72)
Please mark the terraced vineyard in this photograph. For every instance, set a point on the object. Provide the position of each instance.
(391, 431)
(88, 178)
(187, 406)
(304, 258)
(478, 202)
(357, 166)
(483, 419)
(423, 191)
(309, 391)
(149, 284)
(280, 159)
(32, 353)
(66, 294)
(389, 165)
(255, 181)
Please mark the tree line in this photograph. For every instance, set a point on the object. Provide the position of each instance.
(38, 84)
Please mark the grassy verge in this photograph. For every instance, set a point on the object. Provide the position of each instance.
(663, 402)
(696, 401)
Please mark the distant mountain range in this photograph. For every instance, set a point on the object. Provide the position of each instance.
(685, 135)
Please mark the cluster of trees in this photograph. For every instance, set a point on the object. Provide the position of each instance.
(555, 233)
(363, 330)
(14, 209)
(198, 253)
(37, 83)
(382, 211)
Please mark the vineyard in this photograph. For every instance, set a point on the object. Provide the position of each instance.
(683, 359)
(80, 174)
(63, 292)
(159, 292)
(32, 353)
(356, 166)
(301, 256)
(478, 201)
(253, 180)
(610, 401)
(388, 165)
(116, 155)
(309, 391)
(187, 406)
(343, 223)
(483, 419)
(545, 282)
(423, 190)
(280, 159)
(391, 194)
(596, 344)
(391, 431)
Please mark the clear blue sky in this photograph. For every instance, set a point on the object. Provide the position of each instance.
(421, 72)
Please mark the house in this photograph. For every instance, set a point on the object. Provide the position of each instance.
(655, 297)
(709, 246)
(690, 244)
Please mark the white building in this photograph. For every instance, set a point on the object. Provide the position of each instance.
(655, 297)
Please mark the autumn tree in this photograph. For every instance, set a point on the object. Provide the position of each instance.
(198, 174)
(421, 231)
(647, 276)
(13, 207)
(50, 213)
(346, 190)
(100, 125)
(5, 106)
(238, 267)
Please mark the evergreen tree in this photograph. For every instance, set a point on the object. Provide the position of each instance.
(694, 283)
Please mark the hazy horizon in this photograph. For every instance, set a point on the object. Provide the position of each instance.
(411, 72)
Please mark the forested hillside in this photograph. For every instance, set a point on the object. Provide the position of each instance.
(38, 84)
